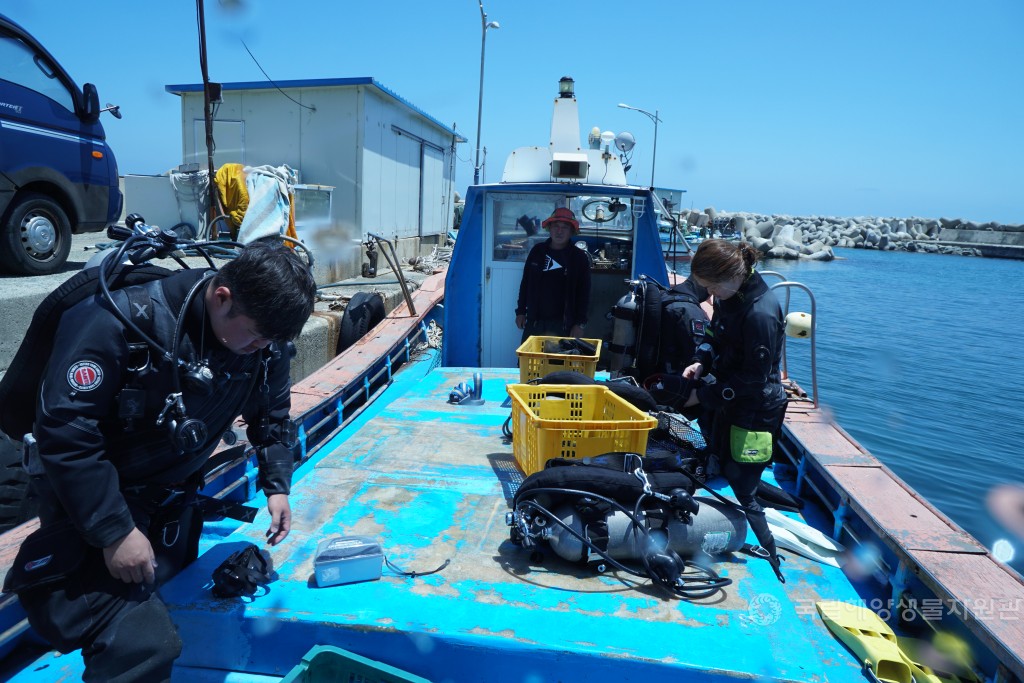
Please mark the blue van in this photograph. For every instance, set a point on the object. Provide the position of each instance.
(57, 174)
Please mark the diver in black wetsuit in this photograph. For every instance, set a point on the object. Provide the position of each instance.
(117, 467)
(746, 404)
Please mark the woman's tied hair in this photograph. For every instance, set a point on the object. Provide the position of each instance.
(271, 284)
(720, 260)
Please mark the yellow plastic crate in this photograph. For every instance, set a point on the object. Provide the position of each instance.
(573, 421)
(534, 363)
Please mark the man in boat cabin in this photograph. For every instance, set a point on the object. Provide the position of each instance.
(124, 434)
(554, 294)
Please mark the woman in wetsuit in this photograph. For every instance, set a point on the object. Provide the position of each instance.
(746, 403)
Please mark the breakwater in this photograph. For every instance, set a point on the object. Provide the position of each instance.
(813, 237)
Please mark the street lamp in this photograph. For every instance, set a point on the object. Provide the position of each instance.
(480, 106)
(652, 117)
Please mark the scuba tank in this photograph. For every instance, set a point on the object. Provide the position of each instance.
(622, 350)
(715, 528)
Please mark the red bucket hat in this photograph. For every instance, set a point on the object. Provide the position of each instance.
(562, 215)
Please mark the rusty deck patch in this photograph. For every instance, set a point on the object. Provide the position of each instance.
(895, 512)
(829, 445)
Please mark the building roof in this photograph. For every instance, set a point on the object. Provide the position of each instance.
(181, 89)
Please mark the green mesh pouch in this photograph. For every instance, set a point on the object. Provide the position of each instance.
(750, 447)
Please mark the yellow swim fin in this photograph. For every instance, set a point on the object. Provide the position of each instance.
(932, 662)
(868, 637)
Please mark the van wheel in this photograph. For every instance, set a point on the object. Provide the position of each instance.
(36, 236)
(363, 312)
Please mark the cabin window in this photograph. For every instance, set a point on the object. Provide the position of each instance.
(606, 225)
(515, 221)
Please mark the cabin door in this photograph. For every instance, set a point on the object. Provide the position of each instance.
(511, 229)
(501, 337)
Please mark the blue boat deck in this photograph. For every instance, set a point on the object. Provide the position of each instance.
(432, 481)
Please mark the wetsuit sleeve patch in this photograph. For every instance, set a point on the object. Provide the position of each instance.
(85, 375)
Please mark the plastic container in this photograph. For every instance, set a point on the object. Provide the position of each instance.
(327, 664)
(347, 559)
(534, 363)
(573, 421)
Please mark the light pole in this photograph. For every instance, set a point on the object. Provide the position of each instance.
(652, 117)
(480, 105)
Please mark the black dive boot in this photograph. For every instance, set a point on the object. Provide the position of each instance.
(774, 559)
(767, 549)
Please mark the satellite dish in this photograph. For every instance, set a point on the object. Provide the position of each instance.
(624, 142)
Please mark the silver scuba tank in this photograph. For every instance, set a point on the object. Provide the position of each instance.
(622, 350)
(715, 529)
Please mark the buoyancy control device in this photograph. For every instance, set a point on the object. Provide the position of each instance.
(656, 329)
(603, 515)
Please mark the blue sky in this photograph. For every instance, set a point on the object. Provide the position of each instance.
(894, 108)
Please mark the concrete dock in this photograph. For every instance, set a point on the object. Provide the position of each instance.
(19, 296)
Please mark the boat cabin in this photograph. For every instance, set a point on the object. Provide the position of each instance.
(501, 223)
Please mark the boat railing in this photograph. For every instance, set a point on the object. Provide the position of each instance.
(788, 286)
(318, 426)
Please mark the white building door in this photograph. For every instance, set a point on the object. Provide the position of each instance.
(432, 198)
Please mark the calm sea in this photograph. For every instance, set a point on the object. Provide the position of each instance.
(921, 359)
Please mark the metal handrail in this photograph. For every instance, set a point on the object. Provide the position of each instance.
(788, 285)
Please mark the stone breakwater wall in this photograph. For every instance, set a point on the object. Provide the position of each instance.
(813, 237)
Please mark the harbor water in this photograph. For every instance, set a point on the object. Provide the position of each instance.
(920, 358)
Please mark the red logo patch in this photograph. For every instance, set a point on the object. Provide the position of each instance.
(85, 375)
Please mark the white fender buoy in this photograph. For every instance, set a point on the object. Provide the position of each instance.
(798, 325)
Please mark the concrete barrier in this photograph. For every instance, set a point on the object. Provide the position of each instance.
(316, 345)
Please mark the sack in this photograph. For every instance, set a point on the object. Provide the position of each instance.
(749, 446)
(50, 554)
(19, 387)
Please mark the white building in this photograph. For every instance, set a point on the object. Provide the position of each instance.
(390, 164)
